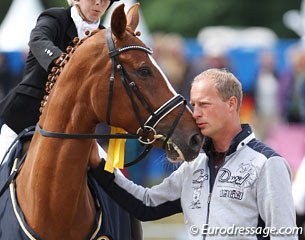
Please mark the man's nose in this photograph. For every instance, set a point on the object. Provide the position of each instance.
(196, 112)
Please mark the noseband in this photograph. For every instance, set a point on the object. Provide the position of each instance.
(146, 134)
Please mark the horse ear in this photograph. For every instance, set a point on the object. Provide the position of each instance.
(133, 16)
(118, 21)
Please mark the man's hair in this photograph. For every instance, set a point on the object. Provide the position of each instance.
(225, 82)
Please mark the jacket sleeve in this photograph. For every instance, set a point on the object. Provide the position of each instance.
(43, 37)
(274, 198)
(146, 204)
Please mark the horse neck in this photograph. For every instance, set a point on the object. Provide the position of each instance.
(66, 112)
(56, 169)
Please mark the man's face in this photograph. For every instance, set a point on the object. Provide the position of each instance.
(209, 110)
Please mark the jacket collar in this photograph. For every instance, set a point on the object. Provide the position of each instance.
(240, 140)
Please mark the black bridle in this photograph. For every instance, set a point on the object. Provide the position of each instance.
(146, 134)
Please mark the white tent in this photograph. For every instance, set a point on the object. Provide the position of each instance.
(16, 27)
(145, 35)
(217, 40)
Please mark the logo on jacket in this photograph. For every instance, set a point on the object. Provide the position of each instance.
(235, 183)
(227, 177)
(199, 177)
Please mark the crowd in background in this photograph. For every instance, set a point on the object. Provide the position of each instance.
(6, 76)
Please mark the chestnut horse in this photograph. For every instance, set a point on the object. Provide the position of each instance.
(52, 190)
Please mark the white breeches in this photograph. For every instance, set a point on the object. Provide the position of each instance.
(7, 137)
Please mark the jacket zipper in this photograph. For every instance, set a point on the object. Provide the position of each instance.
(209, 199)
(208, 213)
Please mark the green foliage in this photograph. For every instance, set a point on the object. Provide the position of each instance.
(4, 6)
(187, 17)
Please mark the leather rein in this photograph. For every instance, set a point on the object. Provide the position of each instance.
(146, 134)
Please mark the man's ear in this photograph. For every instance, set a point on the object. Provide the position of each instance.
(233, 103)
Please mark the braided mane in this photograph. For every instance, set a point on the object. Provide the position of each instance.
(59, 65)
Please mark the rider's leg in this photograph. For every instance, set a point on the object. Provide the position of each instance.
(7, 136)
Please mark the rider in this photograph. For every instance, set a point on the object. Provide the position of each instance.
(54, 31)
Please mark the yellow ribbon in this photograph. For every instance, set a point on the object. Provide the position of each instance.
(115, 153)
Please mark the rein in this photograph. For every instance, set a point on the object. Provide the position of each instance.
(146, 134)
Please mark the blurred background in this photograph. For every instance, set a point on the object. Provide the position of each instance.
(261, 42)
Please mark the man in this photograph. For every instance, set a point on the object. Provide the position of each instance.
(238, 188)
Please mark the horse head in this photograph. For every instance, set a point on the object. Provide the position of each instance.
(116, 80)
(143, 98)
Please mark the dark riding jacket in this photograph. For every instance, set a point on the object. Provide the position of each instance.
(54, 31)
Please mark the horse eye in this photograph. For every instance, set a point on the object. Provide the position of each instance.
(144, 72)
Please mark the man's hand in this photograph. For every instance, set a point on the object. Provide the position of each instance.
(103, 177)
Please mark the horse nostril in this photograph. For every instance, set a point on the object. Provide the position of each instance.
(196, 142)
